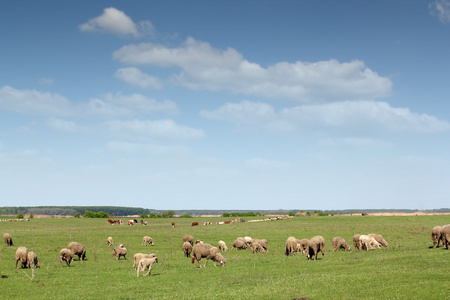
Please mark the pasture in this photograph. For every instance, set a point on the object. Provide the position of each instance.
(407, 269)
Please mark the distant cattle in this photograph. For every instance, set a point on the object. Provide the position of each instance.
(111, 222)
(173, 224)
(227, 222)
(135, 221)
(207, 223)
(194, 224)
(130, 222)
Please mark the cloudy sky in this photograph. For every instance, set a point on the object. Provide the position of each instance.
(225, 105)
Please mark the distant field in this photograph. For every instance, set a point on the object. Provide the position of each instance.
(407, 269)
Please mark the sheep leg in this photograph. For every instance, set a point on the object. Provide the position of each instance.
(149, 270)
(139, 266)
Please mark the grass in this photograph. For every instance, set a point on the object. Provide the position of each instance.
(407, 269)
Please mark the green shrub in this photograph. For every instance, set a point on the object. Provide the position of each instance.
(19, 216)
(152, 215)
(186, 216)
(144, 216)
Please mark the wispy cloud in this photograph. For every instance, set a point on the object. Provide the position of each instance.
(116, 22)
(46, 81)
(441, 9)
(135, 77)
(206, 68)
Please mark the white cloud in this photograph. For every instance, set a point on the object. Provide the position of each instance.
(128, 147)
(160, 128)
(46, 81)
(441, 8)
(62, 125)
(347, 116)
(135, 77)
(206, 68)
(265, 164)
(32, 102)
(117, 22)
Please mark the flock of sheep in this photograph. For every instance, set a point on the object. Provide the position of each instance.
(198, 249)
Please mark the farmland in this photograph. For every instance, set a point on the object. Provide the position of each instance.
(407, 269)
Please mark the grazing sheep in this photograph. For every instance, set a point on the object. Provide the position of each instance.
(207, 251)
(302, 246)
(187, 249)
(32, 260)
(368, 243)
(188, 238)
(248, 240)
(78, 249)
(257, 248)
(445, 233)
(110, 241)
(339, 243)
(356, 242)
(316, 244)
(222, 246)
(22, 255)
(147, 241)
(291, 246)
(199, 242)
(379, 238)
(137, 257)
(264, 243)
(146, 263)
(65, 255)
(8, 239)
(118, 252)
(239, 245)
(436, 235)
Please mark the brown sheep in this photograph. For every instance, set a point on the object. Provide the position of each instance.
(207, 251)
(118, 252)
(316, 244)
(187, 249)
(446, 236)
(302, 246)
(147, 241)
(65, 255)
(8, 239)
(110, 241)
(78, 249)
(146, 263)
(264, 243)
(239, 245)
(368, 243)
(339, 243)
(436, 235)
(356, 242)
(379, 238)
(138, 256)
(22, 255)
(222, 246)
(291, 246)
(188, 238)
(32, 260)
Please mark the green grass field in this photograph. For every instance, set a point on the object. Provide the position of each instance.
(407, 269)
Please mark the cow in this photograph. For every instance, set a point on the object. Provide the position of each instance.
(194, 224)
(173, 224)
(130, 222)
(111, 222)
(145, 223)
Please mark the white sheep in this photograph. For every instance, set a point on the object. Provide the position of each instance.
(222, 246)
(145, 263)
(368, 243)
(147, 241)
(110, 241)
(138, 257)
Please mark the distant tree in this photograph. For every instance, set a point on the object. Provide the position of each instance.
(152, 215)
(144, 216)
(164, 215)
(77, 215)
(19, 216)
(225, 215)
(170, 213)
(291, 214)
(186, 216)
(159, 216)
(31, 215)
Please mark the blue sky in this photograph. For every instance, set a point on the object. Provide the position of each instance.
(225, 105)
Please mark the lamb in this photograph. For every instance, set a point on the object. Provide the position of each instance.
(368, 243)
(22, 255)
(264, 243)
(248, 240)
(78, 249)
(32, 260)
(8, 239)
(445, 233)
(379, 238)
(118, 252)
(138, 257)
(222, 246)
(147, 241)
(207, 251)
(436, 235)
(356, 242)
(256, 248)
(188, 238)
(316, 244)
(187, 249)
(302, 246)
(110, 241)
(291, 246)
(239, 245)
(146, 263)
(65, 255)
(339, 243)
